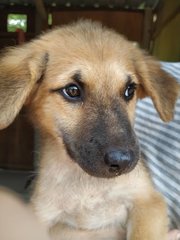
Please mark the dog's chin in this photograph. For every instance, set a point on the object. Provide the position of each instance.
(105, 172)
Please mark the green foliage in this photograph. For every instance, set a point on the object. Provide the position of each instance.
(16, 21)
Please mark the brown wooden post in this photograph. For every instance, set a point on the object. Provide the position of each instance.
(147, 28)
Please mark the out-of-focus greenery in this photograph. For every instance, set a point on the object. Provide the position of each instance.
(49, 19)
(16, 21)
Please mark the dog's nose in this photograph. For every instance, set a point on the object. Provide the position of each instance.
(119, 161)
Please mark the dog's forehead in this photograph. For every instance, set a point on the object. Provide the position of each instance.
(101, 57)
(91, 69)
(97, 75)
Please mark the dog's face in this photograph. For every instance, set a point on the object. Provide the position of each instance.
(81, 85)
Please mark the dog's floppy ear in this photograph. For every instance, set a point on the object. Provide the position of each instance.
(159, 85)
(20, 69)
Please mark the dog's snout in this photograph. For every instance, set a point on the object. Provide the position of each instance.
(119, 161)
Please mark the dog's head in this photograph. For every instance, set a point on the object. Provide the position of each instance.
(81, 84)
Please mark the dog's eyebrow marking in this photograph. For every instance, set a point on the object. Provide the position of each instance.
(129, 79)
(77, 77)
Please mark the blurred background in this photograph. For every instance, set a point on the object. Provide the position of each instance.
(153, 24)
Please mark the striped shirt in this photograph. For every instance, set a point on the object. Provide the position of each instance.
(160, 146)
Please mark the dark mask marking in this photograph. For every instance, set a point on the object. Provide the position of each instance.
(96, 133)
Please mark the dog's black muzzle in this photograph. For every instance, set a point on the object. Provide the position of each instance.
(104, 146)
(102, 161)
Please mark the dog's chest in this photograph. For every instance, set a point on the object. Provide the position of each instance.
(95, 207)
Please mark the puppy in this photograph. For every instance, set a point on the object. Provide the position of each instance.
(80, 84)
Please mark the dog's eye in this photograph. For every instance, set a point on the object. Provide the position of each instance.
(72, 92)
(129, 91)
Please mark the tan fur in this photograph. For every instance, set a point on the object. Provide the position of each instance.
(72, 203)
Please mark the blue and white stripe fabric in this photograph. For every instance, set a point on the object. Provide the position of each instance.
(160, 145)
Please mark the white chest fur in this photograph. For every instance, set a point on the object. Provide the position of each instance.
(83, 201)
(94, 208)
